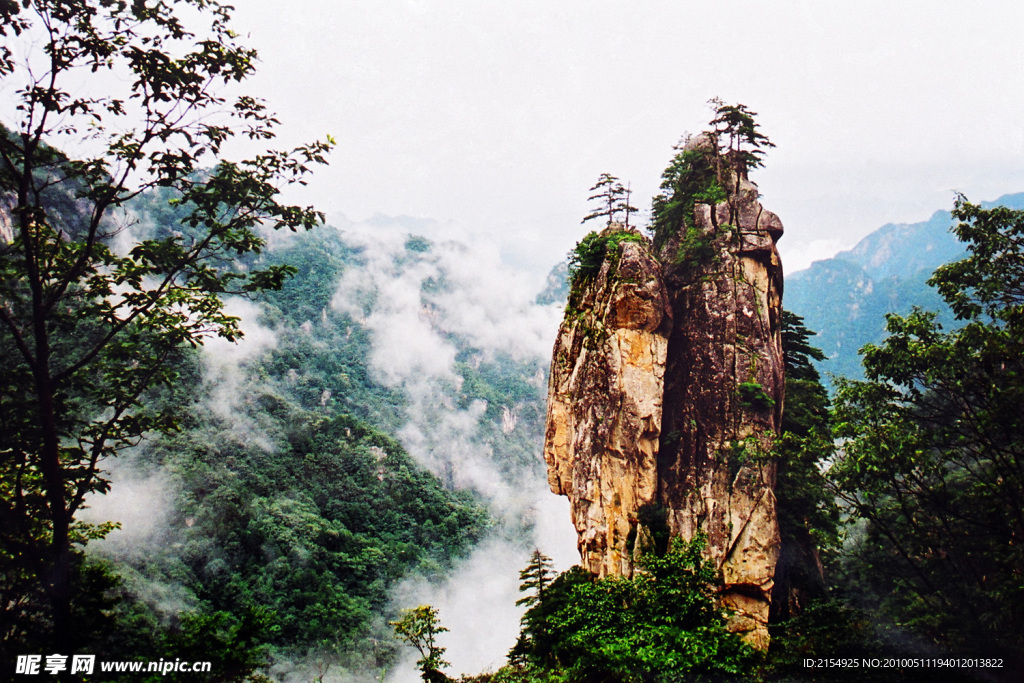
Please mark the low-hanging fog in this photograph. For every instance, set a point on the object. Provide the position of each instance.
(429, 302)
(415, 309)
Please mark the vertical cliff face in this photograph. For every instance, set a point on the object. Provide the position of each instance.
(667, 388)
(724, 396)
(605, 400)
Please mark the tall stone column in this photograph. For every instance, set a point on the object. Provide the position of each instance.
(724, 392)
(667, 391)
(604, 405)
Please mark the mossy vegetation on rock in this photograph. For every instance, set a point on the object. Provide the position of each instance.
(586, 258)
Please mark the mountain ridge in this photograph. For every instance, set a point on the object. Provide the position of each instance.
(845, 299)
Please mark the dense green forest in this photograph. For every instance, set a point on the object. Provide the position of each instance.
(299, 501)
(293, 509)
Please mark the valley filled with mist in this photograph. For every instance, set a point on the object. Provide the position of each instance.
(371, 442)
(378, 425)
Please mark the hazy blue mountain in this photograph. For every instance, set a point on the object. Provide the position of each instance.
(845, 298)
(556, 287)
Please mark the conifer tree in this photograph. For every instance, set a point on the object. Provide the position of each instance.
(737, 135)
(612, 198)
(536, 577)
(808, 515)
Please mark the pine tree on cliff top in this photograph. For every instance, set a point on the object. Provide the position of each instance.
(700, 170)
(613, 199)
(737, 136)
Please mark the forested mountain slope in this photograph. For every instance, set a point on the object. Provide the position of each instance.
(286, 508)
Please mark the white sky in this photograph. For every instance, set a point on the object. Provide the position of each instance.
(497, 116)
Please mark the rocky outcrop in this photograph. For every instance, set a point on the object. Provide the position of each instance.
(605, 402)
(667, 388)
(724, 396)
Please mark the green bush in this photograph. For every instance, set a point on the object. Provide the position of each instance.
(752, 395)
(586, 259)
(661, 625)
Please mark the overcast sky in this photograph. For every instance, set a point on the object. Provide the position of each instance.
(495, 117)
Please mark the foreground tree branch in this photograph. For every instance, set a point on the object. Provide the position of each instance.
(88, 326)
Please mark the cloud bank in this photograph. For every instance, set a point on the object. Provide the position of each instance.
(426, 302)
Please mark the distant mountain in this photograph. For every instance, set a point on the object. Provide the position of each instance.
(556, 287)
(845, 298)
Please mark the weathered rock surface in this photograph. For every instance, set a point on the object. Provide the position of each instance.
(723, 400)
(667, 387)
(605, 403)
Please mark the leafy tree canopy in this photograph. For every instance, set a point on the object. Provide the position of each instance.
(661, 625)
(420, 627)
(933, 450)
(92, 307)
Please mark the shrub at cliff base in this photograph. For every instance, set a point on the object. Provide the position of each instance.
(661, 625)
